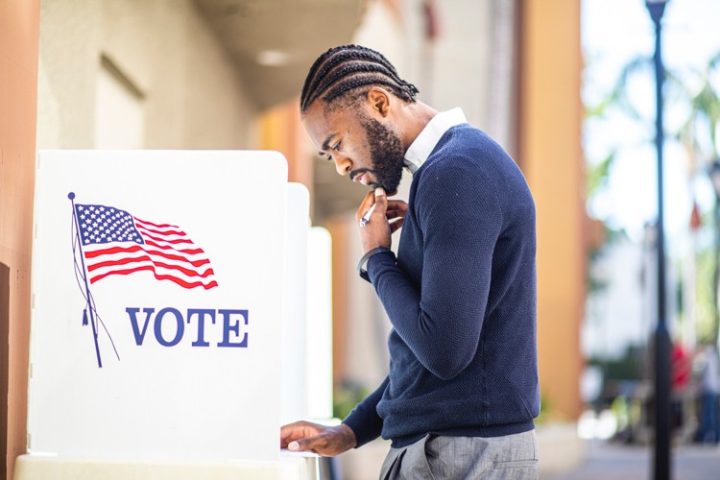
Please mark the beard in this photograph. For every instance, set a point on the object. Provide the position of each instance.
(386, 152)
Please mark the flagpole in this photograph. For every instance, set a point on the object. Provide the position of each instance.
(89, 307)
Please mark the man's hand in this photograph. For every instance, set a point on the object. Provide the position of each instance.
(312, 437)
(376, 232)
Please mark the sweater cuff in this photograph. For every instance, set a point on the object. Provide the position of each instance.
(378, 262)
(365, 427)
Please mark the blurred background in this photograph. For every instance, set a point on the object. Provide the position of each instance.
(566, 86)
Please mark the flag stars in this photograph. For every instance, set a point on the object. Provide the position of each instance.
(100, 224)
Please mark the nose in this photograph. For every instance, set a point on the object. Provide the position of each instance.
(343, 165)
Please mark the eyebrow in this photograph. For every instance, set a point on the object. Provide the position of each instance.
(326, 143)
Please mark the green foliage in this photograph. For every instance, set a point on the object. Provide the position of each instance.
(345, 396)
(626, 367)
(592, 282)
(597, 175)
(703, 120)
(545, 409)
(704, 300)
(618, 96)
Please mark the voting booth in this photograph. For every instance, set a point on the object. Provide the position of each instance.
(170, 300)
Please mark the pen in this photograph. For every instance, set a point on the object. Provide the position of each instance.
(366, 217)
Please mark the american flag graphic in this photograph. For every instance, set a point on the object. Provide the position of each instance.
(114, 242)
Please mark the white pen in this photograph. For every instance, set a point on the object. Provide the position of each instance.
(366, 217)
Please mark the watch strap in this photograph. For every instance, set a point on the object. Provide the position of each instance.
(362, 263)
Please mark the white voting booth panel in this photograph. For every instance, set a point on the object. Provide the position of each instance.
(306, 331)
(318, 338)
(156, 314)
(297, 216)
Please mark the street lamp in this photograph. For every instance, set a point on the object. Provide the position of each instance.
(661, 453)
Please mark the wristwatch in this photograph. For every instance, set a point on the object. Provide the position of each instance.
(362, 264)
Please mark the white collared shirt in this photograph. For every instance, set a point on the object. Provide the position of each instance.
(425, 143)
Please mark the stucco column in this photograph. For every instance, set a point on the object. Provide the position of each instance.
(19, 22)
(551, 156)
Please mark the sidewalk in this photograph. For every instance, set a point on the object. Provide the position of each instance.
(605, 461)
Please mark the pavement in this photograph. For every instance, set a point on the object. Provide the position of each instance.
(609, 461)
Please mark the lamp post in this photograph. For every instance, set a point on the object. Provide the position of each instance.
(661, 454)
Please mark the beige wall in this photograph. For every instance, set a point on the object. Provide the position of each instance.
(18, 74)
(455, 69)
(192, 95)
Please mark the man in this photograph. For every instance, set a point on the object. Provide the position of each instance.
(709, 426)
(462, 391)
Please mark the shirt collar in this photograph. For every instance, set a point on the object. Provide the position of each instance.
(425, 143)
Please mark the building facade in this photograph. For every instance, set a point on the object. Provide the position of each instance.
(225, 75)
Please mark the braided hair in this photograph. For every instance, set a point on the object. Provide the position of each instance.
(348, 67)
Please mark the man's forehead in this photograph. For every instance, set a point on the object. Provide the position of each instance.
(316, 125)
(324, 123)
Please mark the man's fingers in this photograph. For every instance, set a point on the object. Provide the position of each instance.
(296, 430)
(308, 444)
(396, 224)
(365, 205)
(381, 201)
(390, 214)
(399, 205)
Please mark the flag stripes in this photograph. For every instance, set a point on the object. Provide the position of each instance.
(117, 243)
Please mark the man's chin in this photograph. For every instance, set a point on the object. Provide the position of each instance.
(391, 190)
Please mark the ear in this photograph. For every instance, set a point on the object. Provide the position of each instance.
(379, 101)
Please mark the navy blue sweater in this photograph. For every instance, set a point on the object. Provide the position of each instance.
(461, 297)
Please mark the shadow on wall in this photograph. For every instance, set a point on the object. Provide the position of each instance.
(4, 352)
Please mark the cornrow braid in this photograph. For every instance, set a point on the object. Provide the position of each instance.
(349, 67)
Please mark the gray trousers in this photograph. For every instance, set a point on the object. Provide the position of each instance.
(512, 457)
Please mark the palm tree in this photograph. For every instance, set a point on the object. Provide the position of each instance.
(699, 137)
(699, 134)
(703, 120)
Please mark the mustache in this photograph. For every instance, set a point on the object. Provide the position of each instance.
(360, 171)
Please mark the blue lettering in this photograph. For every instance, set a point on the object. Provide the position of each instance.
(233, 327)
(139, 334)
(158, 327)
(201, 314)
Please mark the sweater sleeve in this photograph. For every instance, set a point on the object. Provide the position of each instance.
(364, 420)
(441, 318)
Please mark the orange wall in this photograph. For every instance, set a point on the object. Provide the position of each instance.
(19, 20)
(281, 129)
(341, 265)
(551, 156)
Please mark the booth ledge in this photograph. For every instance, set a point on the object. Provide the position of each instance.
(41, 467)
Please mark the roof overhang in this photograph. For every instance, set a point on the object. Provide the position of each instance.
(274, 42)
